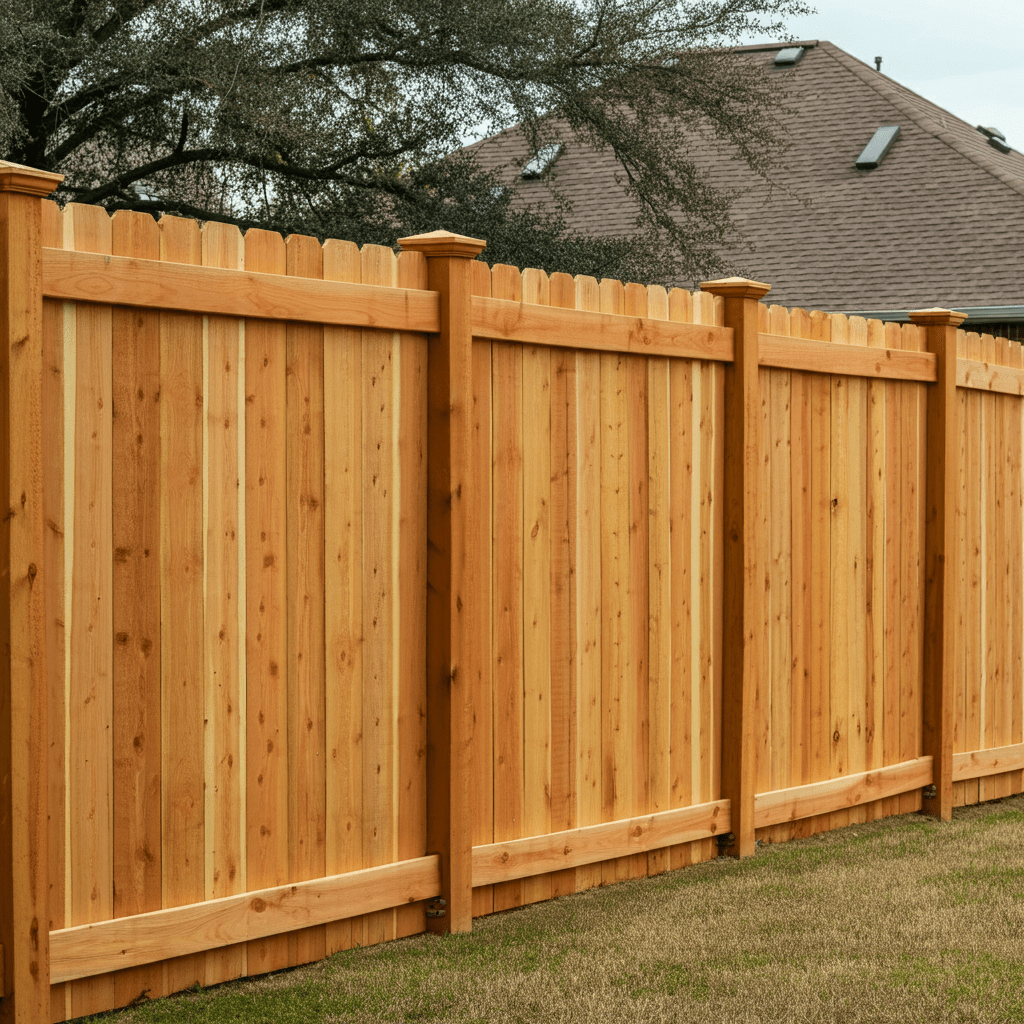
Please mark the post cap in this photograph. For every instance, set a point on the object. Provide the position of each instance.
(937, 317)
(443, 243)
(736, 288)
(27, 180)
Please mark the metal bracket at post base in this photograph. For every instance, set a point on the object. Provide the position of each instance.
(435, 908)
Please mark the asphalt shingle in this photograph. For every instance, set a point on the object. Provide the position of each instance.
(939, 222)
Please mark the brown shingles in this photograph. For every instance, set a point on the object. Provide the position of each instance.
(940, 221)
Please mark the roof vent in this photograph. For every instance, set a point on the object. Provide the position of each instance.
(880, 144)
(996, 139)
(542, 160)
(789, 56)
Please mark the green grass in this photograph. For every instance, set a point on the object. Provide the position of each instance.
(902, 920)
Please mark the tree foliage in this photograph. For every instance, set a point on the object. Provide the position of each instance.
(346, 119)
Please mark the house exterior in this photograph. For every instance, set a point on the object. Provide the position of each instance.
(935, 216)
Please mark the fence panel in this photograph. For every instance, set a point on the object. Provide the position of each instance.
(990, 677)
(241, 700)
(837, 688)
(604, 489)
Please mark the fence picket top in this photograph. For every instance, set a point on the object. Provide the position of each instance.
(680, 305)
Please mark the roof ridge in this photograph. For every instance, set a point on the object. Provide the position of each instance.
(895, 93)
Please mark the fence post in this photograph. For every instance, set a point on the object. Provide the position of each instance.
(942, 454)
(742, 580)
(450, 569)
(24, 875)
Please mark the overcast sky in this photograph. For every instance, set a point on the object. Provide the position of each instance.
(964, 55)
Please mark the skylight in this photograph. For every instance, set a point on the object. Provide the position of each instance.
(789, 56)
(874, 152)
(543, 160)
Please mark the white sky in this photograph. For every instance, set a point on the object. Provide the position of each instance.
(964, 55)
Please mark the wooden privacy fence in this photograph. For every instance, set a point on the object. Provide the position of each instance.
(337, 584)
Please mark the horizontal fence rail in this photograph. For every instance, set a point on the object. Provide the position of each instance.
(341, 583)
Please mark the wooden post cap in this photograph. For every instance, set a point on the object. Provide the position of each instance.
(443, 243)
(736, 288)
(937, 317)
(27, 180)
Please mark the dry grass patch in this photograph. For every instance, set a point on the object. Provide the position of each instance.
(905, 919)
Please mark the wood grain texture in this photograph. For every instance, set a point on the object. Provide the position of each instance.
(253, 294)
(507, 643)
(783, 352)
(136, 452)
(563, 510)
(224, 627)
(803, 559)
(304, 518)
(636, 836)
(912, 578)
(875, 570)
(480, 604)
(24, 730)
(585, 470)
(266, 600)
(618, 713)
(90, 700)
(181, 551)
(55, 328)
(611, 329)
(343, 590)
(381, 354)
(684, 766)
(536, 562)
(659, 573)
(276, 911)
(848, 791)
(411, 555)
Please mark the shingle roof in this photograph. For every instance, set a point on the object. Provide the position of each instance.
(939, 222)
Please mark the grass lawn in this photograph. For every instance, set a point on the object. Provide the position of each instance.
(902, 920)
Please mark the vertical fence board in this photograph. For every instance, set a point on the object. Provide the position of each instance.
(781, 582)
(680, 554)
(507, 391)
(90, 638)
(412, 583)
(343, 592)
(618, 712)
(803, 559)
(841, 576)
(266, 600)
(821, 571)
(380, 356)
(58, 529)
(136, 452)
(182, 668)
(875, 570)
(911, 575)
(710, 414)
(536, 569)
(562, 294)
(481, 783)
(1015, 552)
(586, 466)
(974, 630)
(307, 779)
(659, 570)
(857, 553)
(225, 601)
(634, 299)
